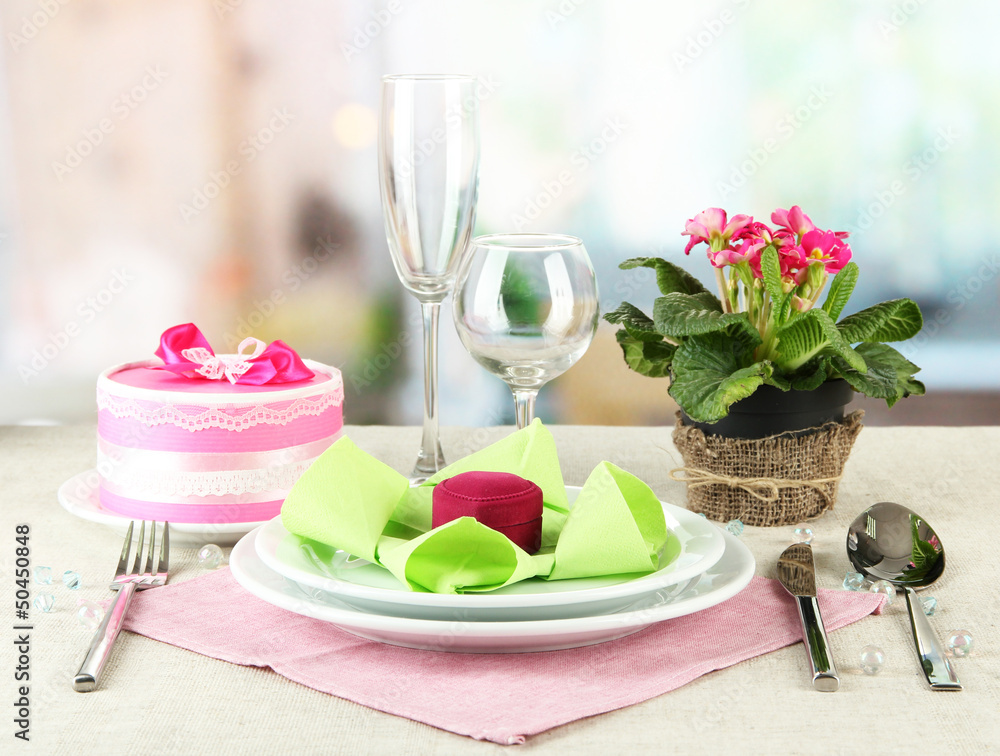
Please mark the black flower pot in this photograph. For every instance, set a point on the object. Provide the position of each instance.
(770, 411)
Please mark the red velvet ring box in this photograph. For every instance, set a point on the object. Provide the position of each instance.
(503, 501)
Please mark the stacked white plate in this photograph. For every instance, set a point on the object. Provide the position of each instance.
(317, 581)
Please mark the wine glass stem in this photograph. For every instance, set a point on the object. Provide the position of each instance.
(524, 403)
(431, 457)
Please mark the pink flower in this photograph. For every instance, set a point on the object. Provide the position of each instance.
(712, 227)
(729, 256)
(794, 220)
(793, 264)
(826, 247)
(749, 251)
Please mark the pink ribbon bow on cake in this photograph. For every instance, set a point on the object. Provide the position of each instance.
(185, 351)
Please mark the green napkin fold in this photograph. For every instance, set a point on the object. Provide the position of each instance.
(351, 501)
(344, 499)
(461, 556)
(616, 525)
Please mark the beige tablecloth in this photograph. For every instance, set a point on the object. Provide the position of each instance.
(159, 699)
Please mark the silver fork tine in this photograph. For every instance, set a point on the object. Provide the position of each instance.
(123, 562)
(125, 584)
(148, 569)
(138, 553)
(164, 563)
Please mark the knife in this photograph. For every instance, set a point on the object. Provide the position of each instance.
(798, 574)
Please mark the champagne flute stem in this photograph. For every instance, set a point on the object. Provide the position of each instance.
(524, 406)
(431, 457)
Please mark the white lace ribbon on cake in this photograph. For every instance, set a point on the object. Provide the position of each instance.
(166, 476)
(230, 417)
(229, 366)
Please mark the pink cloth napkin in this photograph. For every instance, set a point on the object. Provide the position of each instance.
(485, 696)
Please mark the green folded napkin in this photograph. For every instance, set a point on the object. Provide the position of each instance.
(616, 525)
(351, 501)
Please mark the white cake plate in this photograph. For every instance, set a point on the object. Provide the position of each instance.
(79, 497)
(368, 587)
(722, 581)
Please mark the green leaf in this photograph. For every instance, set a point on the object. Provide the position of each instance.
(669, 277)
(778, 381)
(811, 375)
(770, 268)
(841, 288)
(637, 323)
(889, 376)
(895, 320)
(781, 310)
(678, 315)
(924, 554)
(649, 358)
(709, 375)
(809, 335)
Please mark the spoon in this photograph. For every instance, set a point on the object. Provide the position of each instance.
(889, 542)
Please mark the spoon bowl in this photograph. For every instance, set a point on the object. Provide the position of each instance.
(890, 542)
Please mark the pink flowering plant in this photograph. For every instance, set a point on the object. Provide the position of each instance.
(767, 325)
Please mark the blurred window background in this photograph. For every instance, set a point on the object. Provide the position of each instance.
(214, 161)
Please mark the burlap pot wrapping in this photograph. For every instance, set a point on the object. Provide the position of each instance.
(777, 480)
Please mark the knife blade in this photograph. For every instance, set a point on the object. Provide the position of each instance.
(797, 573)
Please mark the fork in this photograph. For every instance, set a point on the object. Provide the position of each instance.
(126, 582)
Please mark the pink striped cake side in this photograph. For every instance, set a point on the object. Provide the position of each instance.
(200, 457)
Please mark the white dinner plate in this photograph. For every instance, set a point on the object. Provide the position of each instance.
(722, 581)
(80, 496)
(371, 588)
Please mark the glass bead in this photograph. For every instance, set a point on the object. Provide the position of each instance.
(90, 615)
(71, 579)
(885, 588)
(735, 527)
(803, 535)
(872, 659)
(929, 603)
(44, 601)
(43, 575)
(959, 643)
(210, 556)
(855, 581)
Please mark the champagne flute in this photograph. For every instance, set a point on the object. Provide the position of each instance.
(429, 176)
(526, 308)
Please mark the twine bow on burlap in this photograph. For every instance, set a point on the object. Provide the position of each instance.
(766, 490)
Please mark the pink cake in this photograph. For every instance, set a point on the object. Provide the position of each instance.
(183, 449)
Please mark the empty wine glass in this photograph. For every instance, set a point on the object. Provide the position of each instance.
(429, 175)
(526, 308)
